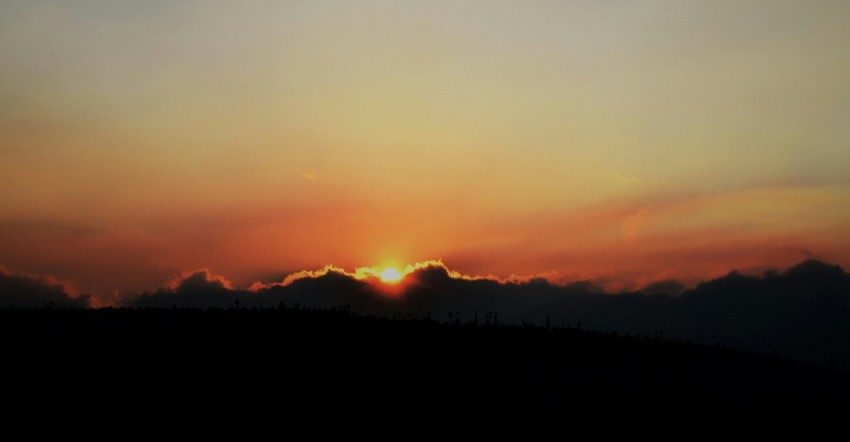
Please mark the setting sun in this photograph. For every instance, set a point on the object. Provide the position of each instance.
(390, 275)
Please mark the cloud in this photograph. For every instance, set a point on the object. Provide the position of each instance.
(198, 280)
(802, 313)
(23, 291)
(665, 287)
(198, 288)
(632, 224)
(373, 274)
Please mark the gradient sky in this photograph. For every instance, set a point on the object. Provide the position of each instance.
(621, 141)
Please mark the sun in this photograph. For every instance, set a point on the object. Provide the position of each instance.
(390, 275)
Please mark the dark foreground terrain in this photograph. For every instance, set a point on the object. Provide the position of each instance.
(249, 373)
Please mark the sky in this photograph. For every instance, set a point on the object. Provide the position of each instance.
(621, 142)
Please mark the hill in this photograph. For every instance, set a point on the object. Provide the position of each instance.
(258, 371)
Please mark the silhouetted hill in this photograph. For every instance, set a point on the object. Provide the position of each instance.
(256, 372)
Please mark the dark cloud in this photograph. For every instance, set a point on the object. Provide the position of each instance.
(18, 291)
(666, 287)
(195, 289)
(802, 313)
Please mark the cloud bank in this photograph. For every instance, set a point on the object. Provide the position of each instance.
(22, 291)
(801, 313)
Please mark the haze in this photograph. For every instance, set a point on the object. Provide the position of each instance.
(624, 142)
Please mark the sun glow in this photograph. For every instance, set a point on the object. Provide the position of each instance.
(390, 275)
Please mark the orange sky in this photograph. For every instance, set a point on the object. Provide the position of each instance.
(618, 141)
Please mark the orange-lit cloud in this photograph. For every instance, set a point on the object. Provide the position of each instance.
(374, 275)
(624, 243)
(633, 223)
(200, 274)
